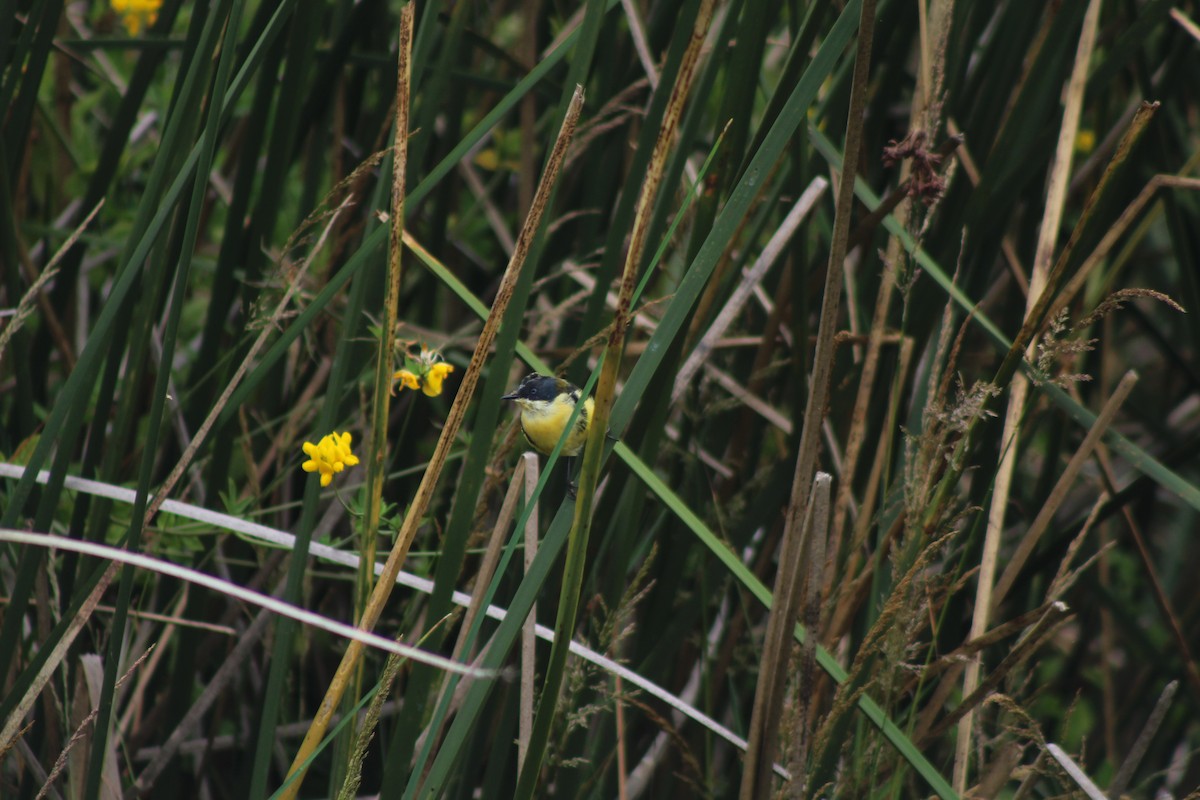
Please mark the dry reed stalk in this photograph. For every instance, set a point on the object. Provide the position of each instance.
(739, 297)
(1138, 751)
(1010, 438)
(754, 777)
(807, 676)
(777, 648)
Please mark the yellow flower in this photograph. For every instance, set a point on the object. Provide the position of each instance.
(330, 455)
(432, 385)
(136, 13)
(407, 380)
(425, 371)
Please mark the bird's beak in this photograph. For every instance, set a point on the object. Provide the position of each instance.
(512, 396)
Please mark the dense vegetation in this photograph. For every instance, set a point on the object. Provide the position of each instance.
(277, 264)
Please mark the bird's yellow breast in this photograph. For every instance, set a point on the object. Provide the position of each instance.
(543, 422)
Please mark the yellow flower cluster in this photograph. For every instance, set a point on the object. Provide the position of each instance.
(426, 371)
(330, 455)
(137, 13)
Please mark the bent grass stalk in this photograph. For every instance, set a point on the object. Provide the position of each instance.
(1047, 238)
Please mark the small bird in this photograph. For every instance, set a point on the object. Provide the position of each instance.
(546, 405)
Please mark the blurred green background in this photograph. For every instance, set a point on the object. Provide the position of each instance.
(220, 138)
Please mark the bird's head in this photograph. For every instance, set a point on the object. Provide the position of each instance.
(535, 388)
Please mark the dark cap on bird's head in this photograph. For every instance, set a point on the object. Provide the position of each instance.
(538, 387)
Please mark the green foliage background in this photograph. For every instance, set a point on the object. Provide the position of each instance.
(221, 140)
